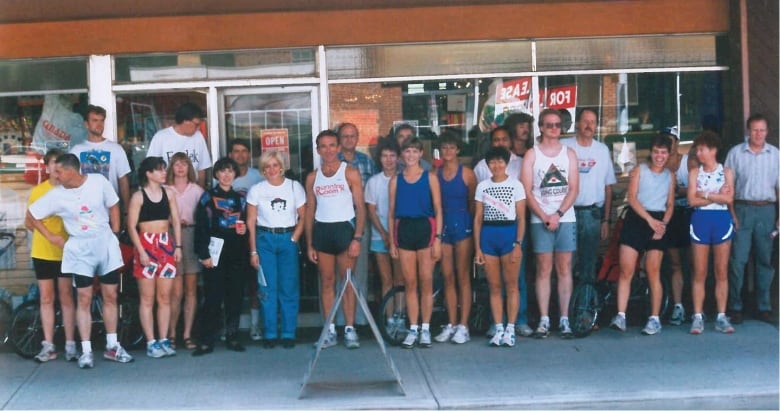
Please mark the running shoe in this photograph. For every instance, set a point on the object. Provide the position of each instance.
(445, 334)
(351, 339)
(653, 326)
(565, 329)
(461, 335)
(508, 339)
(678, 315)
(523, 330)
(618, 323)
(255, 333)
(411, 338)
(86, 361)
(48, 352)
(118, 354)
(497, 337)
(697, 325)
(71, 354)
(491, 331)
(542, 331)
(723, 325)
(155, 350)
(330, 340)
(425, 338)
(167, 347)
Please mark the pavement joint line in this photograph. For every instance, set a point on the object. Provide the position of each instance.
(428, 376)
(22, 385)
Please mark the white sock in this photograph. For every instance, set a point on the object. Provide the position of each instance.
(348, 328)
(678, 305)
(721, 316)
(111, 340)
(544, 320)
(150, 343)
(69, 345)
(622, 314)
(654, 317)
(413, 327)
(426, 326)
(86, 346)
(697, 316)
(332, 328)
(510, 328)
(499, 328)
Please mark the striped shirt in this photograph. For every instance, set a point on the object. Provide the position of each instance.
(757, 175)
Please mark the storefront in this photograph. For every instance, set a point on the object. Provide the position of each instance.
(278, 77)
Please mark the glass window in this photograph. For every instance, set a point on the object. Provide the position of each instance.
(43, 75)
(269, 63)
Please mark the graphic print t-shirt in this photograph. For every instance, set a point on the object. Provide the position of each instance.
(106, 158)
(277, 206)
(498, 199)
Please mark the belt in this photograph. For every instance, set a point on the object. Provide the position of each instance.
(587, 207)
(187, 225)
(276, 230)
(754, 203)
(499, 223)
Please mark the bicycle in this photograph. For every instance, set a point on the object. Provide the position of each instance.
(392, 307)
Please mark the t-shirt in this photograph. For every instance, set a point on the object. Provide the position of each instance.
(482, 172)
(187, 201)
(168, 142)
(242, 184)
(498, 199)
(377, 193)
(41, 248)
(106, 158)
(596, 171)
(84, 209)
(277, 206)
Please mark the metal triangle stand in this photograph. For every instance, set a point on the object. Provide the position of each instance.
(364, 306)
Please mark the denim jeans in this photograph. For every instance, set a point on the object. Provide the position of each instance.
(755, 225)
(588, 239)
(281, 294)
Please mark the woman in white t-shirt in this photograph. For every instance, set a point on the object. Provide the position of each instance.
(275, 208)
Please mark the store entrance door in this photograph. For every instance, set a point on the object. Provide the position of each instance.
(283, 119)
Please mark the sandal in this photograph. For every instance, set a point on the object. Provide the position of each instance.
(189, 344)
(172, 340)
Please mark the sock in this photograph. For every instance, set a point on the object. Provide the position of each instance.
(563, 317)
(721, 316)
(622, 314)
(510, 328)
(678, 305)
(111, 340)
(86, 346)
(426, 326)
(499, 328)
(150, 343)
(654, 317)
(348, 328)
(70, 345)
(332, 328)
(697, 316)
(254, 314)
(544, 320)
(413, 327)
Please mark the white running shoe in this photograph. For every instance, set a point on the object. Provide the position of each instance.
(461, 335)
(446, 334)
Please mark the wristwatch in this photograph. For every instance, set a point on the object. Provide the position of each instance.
(559, 212)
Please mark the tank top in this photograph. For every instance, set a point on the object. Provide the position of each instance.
(334, 198)
(151, 211)
(711, 183)
(653, 188)
(413, 200)
(682, 181)
(551, 184)
(454, 193)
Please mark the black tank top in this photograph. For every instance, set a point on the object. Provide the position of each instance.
(151, 211)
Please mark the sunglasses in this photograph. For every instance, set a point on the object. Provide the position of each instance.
(552, 125)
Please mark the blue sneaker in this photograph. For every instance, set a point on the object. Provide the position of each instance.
(155, 350)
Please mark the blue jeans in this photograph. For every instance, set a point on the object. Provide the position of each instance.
(588, 239)
(755, 225)
(279, 261)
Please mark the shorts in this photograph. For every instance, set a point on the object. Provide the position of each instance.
(189, 260)
(83, 281)
(711, 227)
(48, 270)
(160, 248)
(678, 230)
(458, 226)
(89, 256)
(332, 238)
(378, 246)
(497, 240)
(637, 234)
(564, 239)
(415, 233)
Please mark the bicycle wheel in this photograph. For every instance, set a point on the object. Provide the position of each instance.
(6, 314)
(130, 333)
(584, 309)
(480, 317)
(26, 331)
(392, 321)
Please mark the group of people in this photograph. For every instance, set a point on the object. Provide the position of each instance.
(245, 231)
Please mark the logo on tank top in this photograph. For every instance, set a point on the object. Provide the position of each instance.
(554, 182)
(329, 189)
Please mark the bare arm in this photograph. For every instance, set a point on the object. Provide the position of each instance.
(311, 207)
(33, 223)
(124, 191)
(607, 211)
(479, 257)
(175, 221)
(356, 186)
(527, 178)
(391, 215)
(436, 201)
(251, 218)
(670, 200)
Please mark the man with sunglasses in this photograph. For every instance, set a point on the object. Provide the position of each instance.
(551, 179)
(185, 137)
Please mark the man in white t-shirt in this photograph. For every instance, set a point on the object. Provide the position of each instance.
(102, 156)
(89, 210)
(594, 201)
(185, 137)
(500, 137)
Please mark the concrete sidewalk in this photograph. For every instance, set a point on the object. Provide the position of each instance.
(607, 370)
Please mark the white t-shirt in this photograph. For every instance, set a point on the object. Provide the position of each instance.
(84, 209)
(513, 169)
(378, 194)
(277, 206)
(596, 171)
(168, 142)
(106, 158)
(498, 199)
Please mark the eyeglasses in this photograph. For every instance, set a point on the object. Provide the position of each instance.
(552, 125)
(195, 122)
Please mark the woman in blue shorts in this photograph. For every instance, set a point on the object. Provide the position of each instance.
(457, 245)
(415, 224)
(710, 192)
(498, 236)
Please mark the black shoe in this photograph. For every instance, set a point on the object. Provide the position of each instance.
(203, 350)
(269, 343)
(234, 345)
(288, 343)
(735, 317)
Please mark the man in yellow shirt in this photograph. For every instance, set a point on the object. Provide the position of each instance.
(46, 253)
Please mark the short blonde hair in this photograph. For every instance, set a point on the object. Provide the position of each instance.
(271, 155)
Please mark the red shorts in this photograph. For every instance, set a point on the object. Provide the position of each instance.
(160, 248)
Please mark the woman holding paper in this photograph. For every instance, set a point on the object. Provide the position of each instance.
(274, 210)
(220, 242)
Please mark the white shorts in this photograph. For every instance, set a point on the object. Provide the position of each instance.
(89, 256)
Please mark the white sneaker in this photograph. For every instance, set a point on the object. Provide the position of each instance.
(652, 327)
(425, 338)
(118, 354)
(168, 348)
(351, 340)
(461, 335)
(48, 352)
(411, 338)
(678, 315)
(523, 330)
(255, 333)
(445, 334)
(508, 339)
(86, 361)
(71, 354)
(155, 350)
(329, 341)
(497, 337)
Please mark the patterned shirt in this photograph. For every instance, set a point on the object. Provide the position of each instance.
(755, 174)
(363, 163)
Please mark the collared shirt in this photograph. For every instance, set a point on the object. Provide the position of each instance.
(363, 163)
(757, 175)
